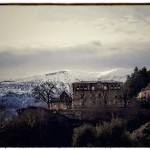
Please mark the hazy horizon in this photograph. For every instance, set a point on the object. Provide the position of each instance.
(43, 39)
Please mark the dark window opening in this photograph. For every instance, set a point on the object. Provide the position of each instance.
(78, 88)
(115, 87)
(81, 88)
(111, 87)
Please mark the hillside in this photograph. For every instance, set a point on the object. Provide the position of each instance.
(25, 85)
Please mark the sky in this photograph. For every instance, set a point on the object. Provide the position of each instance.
(47, 38)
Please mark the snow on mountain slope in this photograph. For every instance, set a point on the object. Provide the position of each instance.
(117, 75)
(25, 85)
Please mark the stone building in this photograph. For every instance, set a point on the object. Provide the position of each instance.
(97, 94)
(144, 93)
(61, 102)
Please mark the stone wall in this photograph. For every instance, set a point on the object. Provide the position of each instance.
(87, 94)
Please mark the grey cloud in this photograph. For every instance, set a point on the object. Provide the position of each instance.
(79, 57)
(96, 43)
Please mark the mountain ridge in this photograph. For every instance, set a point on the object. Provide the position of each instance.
(25, 85)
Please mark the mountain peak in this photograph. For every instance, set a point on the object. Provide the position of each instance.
(55, 73)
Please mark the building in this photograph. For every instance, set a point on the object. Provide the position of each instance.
(63, 101)
(97, 93)
(145, 93)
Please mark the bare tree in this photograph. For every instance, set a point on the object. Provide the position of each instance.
(45, 92)
(83, 97)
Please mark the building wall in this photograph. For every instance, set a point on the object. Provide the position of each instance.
(145, 94)
(58, 105)
(97, 94)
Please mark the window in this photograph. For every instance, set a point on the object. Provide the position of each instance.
(85, 87)
(115, 87)
(119, 87)
(78, 88)
(111, 87)
(81, 87)
(105, 87)
(93, 88)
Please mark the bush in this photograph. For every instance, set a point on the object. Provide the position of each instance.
(145, 104)
(108, 134)
(141, 136)
(112, 134)
(84, 136)
(31, 116)
(37, 127)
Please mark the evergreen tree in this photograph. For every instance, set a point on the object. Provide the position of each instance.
(138, 80)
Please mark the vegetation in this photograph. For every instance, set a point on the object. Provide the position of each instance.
(107, 134)
(141, 136)
(84, 136)
(145, 104)
(113, 134)
(40, 127)
(45, 92)
(138, 80)
(37, 127)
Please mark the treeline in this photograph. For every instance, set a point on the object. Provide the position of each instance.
(138, 80)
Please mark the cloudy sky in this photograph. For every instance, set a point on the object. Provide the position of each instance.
(43, 39)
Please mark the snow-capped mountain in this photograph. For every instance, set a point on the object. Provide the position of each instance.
(25, 85)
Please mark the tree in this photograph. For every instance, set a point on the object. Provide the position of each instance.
(138, 80)
(113, 134)
(107, 134)
(84, 136)
(45, 92)
(141, 136)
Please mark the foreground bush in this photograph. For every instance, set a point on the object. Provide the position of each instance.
(108, 134)
(37, 127)
(113, 134)
(84, 136)
(141, 136)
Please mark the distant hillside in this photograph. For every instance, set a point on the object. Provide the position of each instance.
(25, 85)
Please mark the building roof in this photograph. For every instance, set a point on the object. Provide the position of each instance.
(86, 82)
(101, 81)
(60, 97)
(109, 81)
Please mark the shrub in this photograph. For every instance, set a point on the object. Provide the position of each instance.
(141, 136)
(31, 116)
(84, 136)
(145, 104)
(107, 134)
(112, 134)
